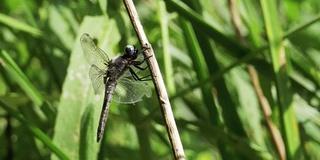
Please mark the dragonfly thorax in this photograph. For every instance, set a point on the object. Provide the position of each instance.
(117, 66)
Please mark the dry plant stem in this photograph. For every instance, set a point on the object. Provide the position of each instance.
(158, 82)
(275, 134)
(236, 20)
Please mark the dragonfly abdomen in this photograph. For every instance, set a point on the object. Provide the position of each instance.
(110, 87)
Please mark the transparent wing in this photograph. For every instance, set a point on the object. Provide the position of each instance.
(93, 54)
(97, 78)
(131, 91)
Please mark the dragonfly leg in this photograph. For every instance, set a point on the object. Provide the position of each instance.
(138, 63)
(137, 66)
(145, 47)
(144, 78)
(136, 77)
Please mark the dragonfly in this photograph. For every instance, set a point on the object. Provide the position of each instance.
(116, 77)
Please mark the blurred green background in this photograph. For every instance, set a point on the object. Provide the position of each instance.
(204, 48)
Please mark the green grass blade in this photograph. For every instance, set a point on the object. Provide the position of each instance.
(201, 69)
(21, 79)
(36, 132)
(290, 130)
(164, 20)
(294, 30)
(198, 21)
(88, 144)
(77, 91)
(16, 24)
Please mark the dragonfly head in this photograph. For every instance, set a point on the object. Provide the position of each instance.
(131, 51)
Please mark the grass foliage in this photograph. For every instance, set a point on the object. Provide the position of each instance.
(204, 48)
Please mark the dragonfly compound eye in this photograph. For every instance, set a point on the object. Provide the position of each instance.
(131, 50)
